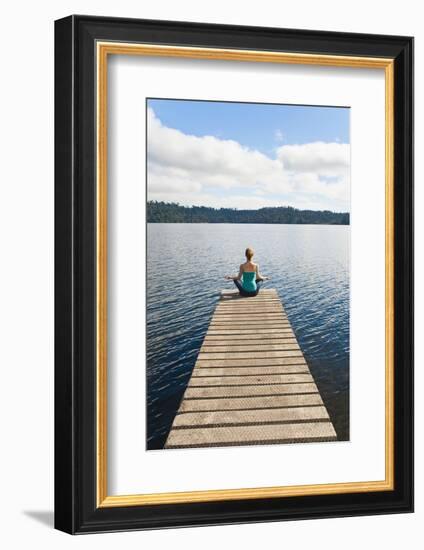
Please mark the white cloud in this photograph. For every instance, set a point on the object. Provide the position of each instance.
(323, 159)
(278, 135)
(216, 172)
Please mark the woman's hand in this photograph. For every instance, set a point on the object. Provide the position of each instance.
(229, 277)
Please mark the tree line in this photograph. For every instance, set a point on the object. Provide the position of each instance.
(171, 212)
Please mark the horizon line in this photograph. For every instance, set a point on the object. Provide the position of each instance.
(247, 209)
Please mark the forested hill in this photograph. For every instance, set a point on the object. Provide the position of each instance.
(167, 212)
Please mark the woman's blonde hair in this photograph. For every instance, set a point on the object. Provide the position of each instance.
(249, 253)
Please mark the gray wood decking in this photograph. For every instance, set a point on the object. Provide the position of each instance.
(251, 383)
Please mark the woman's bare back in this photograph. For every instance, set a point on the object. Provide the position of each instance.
(249, 266)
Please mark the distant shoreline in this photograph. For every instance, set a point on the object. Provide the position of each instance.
(246, 223)
(164, 212)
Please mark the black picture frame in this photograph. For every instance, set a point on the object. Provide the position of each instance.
(76, 510)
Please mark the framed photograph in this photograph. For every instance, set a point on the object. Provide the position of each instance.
(234, 274)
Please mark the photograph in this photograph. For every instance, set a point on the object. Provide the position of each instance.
(233, 272)
(247, 273)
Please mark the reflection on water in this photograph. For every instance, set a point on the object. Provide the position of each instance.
(309, 267)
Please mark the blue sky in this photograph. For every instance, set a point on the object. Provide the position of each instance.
(248, 155)
(258, 126)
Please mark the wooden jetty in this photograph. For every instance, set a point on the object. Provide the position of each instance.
(250, 384)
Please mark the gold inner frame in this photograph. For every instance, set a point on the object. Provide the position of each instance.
(104, 49)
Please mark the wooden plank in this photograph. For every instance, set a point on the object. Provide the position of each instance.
(250, 371)
(255, 416)
(232, 325)
(249, 302)
(269, 361)
(249, 321)
(238, 339)
(253, 309)
(255, 315)
(248, 380)
(259, 332)
(239, 326)
(250, 315)
(291, 345)
(242, 317)
(249, 355)
(234, 335)
(248, 391)
(278, 433)
(222, 306)
(247, 329)
(223, 310)
(251, 305)
(250, 403)
(234, 339)
(256, 318)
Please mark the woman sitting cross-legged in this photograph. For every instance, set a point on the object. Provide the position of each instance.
(249, 280)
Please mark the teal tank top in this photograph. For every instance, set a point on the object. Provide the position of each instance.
(249, 281)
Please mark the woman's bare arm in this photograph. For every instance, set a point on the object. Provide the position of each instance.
(235, 277)
(259, 276)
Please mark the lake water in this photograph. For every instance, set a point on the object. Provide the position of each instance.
(309, 266)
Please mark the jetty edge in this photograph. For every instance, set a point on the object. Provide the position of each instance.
(251, 384)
